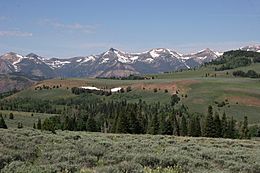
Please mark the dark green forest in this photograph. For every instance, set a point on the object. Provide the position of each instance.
(234, 59)
(89, 113)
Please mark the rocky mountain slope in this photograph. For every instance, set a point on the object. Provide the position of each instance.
(110, 63)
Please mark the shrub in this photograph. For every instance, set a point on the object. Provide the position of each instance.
(147, 160)
(11, 116)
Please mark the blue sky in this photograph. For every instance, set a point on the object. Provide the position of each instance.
(63, 28)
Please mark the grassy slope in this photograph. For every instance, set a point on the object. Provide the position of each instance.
(243, 94)
(24, 117)
(33, 150)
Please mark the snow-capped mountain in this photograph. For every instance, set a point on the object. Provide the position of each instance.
(254, 48)
(31, 64)
(205, 55)
(110, 63)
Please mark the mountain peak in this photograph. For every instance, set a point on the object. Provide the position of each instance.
(112, 49)
(32, 55)
(11, 53)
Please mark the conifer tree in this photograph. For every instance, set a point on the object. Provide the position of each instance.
(11, 116)
(217, 125)
(114, 125)
(91, 124)
(209, 123)
(122, 123)
(224, 125)
(231, 132)
(39, 124)
(184, 129)
(194, 126)
(2, 123)
(191, 128)
(154, 125)
(134, 124)
(245, 130)
(48, 125)
(176, 126)
(197, 127)
(162, 124)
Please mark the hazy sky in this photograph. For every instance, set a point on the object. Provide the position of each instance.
(64, 28)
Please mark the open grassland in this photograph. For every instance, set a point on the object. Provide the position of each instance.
(242, 95)
(24, 150)
(26, 118)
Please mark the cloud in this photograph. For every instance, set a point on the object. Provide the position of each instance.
(15, 34)
(75, 26)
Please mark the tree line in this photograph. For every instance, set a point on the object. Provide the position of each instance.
(141, 118)
(89, 113)
(249, 73)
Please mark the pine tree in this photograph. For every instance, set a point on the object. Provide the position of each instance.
(209, 123)
(11, 116)
(176, 126)
(197, 127)
(114, 125)
(191, 126)
(48, 125)
(154, 125)
(134, 124)
(166, 127)
(122, 123)
(245, 130)
(194, 126)
(184, 129)
(231, 132)
(39, 124)
(217, 125)
(81, 124)
(2, 123)
(91, 124)
(224, 126)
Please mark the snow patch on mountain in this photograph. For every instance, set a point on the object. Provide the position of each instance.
(105, 60)
(149, 60)
(57, 63)
(87, 59)
(133, 58)
(20, 58)
(154, 53)
(121, 58)
(219, 53)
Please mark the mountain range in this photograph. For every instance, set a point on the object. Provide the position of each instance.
(107, 64)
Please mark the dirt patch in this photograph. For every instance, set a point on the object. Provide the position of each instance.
(171, 87)
(249, 101)
(180, 86)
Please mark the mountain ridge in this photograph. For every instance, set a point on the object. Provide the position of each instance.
(112, 62)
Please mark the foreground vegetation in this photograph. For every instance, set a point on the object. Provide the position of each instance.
(35, 151)
(219, 100)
